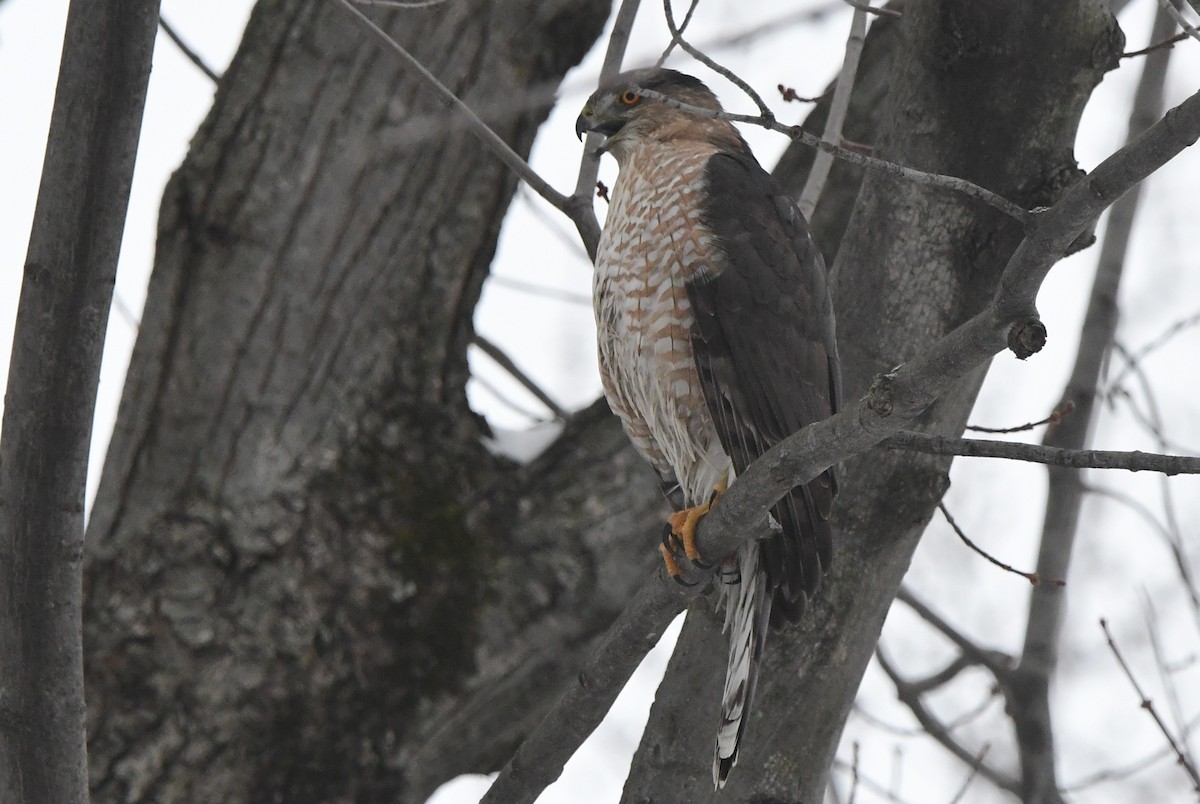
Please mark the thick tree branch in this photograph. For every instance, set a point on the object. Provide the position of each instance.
(894, 400)
(1134, 461)
(66, 295)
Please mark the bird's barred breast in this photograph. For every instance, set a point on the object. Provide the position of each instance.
(653, 243)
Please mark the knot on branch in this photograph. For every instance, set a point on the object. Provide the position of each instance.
(879, 395)
(1027, 337)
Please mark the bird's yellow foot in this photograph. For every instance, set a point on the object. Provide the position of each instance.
(681, 531)
(683, 528)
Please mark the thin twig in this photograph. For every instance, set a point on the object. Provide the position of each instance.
(1056, 415)
(1169, 42)
(1134, 461)
(962, 791)
(996, 662)
(870, 784)
(1148, 705)
(687, 18)
(504, 399)
(769, 122)
(1174, 533)
(696, 53)
(505, 362)
(838, 107)
(553, 223)
(1177, 15)
(853, 773)
(789, 96)
(1124, 772)
(477, 127)
(190, 54)
(1134, 358)
(936, 729)
(1165, 677)
(952, 725)
(401, 3)
(1032, 577)
(862, 5)
(541, 290)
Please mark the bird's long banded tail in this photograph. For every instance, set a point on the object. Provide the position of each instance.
(747, 616)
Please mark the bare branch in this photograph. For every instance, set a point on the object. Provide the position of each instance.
(1169, 7)
(911, 697)
(401, 3)
(696, 53)
(1125, 771)
(871, 163)
(870, 784)
(188, 53)
(687, 18)
(1134, 358)
(962, 791)
(582, 210)
(507, 401)
(505, 362)
(862, 5)
(838, 108)
(854, 772)
(541, 290)
(1134, 461)
(1056, 415)
(1148, 705)
(480, 129)
(1168, 42)
(1165, 677)
(996, 662)
(957, 723)
(1170, 536)
(1033, 578)
(894, 400)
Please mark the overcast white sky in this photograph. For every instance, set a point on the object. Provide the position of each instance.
(1118, 557)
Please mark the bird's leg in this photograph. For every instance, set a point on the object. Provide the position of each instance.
(683, 525)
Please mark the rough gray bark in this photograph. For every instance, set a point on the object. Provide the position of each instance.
(51, 394)
(988, 92)
(301, 556)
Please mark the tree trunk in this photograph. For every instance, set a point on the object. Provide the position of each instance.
(989, 92)
(51, 395)
(302, 556)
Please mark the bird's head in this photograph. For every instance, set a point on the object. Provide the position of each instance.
(624, 115)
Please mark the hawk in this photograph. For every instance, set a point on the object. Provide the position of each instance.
(716, 341)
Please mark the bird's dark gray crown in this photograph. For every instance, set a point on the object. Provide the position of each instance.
(657, 79)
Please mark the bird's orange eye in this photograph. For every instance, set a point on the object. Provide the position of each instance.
(629, 97)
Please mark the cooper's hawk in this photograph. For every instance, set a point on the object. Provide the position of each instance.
(716, 341)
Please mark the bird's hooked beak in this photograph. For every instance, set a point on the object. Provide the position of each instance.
(588, 121)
